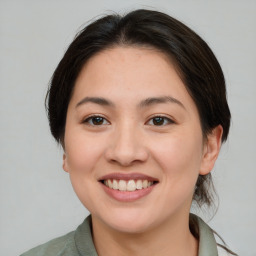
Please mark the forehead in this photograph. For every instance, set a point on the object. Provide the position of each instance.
(132, 65)
(130, 72)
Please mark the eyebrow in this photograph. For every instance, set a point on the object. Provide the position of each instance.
(144, 103)
(158, 100)
(96, 100)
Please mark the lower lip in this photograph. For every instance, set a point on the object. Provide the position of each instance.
(127, 196)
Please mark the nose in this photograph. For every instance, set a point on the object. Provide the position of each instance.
(127, 147)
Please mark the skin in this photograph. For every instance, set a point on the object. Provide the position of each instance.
(128, 141)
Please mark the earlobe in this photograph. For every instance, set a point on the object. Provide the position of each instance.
(211, 150)
(65, 164)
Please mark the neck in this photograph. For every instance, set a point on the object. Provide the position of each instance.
(172, 237)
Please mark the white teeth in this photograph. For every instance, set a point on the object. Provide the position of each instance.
(145, 184)
(115, 184)
(110, 184)
(122, 185)
(130, 185)
(139, 184)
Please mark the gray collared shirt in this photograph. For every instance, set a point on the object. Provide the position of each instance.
(80, 243)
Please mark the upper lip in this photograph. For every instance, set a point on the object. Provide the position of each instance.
(127, 176)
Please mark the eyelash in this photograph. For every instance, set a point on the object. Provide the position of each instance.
(166, 120)
(89, 120)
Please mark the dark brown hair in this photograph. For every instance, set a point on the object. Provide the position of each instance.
(195, 62)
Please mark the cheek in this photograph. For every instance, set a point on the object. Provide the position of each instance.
(83, 153)
(180, 156)
(180, 159)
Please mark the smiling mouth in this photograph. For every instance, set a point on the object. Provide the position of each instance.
(128, 185)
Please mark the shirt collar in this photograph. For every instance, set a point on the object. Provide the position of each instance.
(85, 246)
(207, 242)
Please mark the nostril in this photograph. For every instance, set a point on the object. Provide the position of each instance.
(126, 158)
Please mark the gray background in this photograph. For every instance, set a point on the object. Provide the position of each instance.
(36, 198)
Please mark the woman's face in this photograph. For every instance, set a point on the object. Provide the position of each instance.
(133, 141)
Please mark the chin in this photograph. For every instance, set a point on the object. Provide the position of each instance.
(128, 221)
(132, 228)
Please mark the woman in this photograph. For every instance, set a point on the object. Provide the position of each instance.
(139, 106)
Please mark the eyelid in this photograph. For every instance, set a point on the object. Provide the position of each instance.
(168, 118)
(86, 120)
(90, 117)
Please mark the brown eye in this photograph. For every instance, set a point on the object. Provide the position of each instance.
(96, 121)
(160, 121)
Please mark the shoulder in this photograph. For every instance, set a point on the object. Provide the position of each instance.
(78, 242)
(207, 239)
(63, 245)
(222, 252)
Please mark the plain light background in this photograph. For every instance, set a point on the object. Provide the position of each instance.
(37, 200)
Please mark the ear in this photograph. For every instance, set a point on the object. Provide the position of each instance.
(65, 163)
(211, 150)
